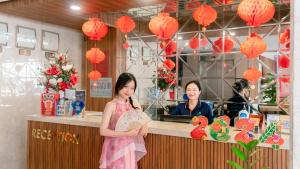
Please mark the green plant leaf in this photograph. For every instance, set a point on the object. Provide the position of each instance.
(254, 152)
(252, 144)
(239, 153)
(234, 164)
(244, 145)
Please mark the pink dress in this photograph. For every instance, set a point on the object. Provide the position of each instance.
(121, 152)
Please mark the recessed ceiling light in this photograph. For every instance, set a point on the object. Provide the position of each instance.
(179, 37)
(232, 33)
(75, 7)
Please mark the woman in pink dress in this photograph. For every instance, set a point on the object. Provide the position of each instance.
(121, 150)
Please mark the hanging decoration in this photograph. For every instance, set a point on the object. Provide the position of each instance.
(171, 6)
(163, 26)
(284, 61)
(192, 4)
(95, 29)
(95, 55)
(205, 15)
(169, 64)
(194, 43)
(95, 75)
(256, 12)
(222, 2)
(218, 45)
(169, 46)
(252, 74)
(253, 46)
(125, 24)
(284, 38)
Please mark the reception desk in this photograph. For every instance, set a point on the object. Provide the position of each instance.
(75, 143)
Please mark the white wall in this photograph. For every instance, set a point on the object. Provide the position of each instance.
(19, 93)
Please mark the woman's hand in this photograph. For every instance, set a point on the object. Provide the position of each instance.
(144, 131)
(133, 132)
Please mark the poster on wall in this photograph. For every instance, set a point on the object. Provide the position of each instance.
(50, 41)
(3, 34)
(101, 88)
(26, 37)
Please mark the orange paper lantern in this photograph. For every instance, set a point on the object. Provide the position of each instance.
(256, 12)
(95, 55)
(218, 45)
(253, 46)
(252, 74)
(169, 64)
(194, 43)
(125, 24)
(221, 2)
(95, 29)
(95, 75)
(163, 26)
(205, 15)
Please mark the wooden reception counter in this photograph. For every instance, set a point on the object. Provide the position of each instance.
(75, 143)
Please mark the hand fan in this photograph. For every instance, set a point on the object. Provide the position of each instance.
(131, 120)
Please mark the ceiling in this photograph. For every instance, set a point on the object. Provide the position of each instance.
(58, 11)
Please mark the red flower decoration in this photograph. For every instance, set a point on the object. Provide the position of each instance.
(163, 26)
(252, 74)
(284, 61)
(125, 24)
(73, 79)
(95, 75)
(63, 86)
(95, 29)
(53, 71)
(205, 15)
(95, 55)
(256, 12)
(169, 64)
(218, 45)
(253, 46)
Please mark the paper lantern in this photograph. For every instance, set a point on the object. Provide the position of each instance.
(252, 74)
(95, 55)
(256, 12)
(218, 45)
(125, 24)
(284, 78)
(205, 15)
(194, 43)
(253, 46)
(95, 75)
(192, 4)
(169, 64)
(163, 26)
(284, 61)
(171, 6)
(222, 2)
(95, 29)
(169, 46)
(284, 38)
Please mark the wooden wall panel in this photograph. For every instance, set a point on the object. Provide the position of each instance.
(164, 152)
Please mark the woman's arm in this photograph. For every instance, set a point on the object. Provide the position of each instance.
(105, 131)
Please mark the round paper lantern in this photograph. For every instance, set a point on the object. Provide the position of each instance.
(163, 26)
(284, 61)
(169, 46)
(125, 24)
(95, 29)
(192, 4)
(205, 15)
(221, 2)
(218, 45)
(253, 46)
(256, 12)
(169, 64)
(284, 78)
(95, 55)
(252, 74)
(194, 43)
(95, 75)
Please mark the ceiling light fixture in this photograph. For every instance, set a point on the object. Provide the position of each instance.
(75, 7)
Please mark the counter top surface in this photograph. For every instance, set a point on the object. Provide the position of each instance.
(93, 119)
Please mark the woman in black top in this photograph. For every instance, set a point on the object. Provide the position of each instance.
(239, 100)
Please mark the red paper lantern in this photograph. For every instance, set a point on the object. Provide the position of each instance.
(284, 61)
(95, 29)
(252, 74)
(192, 4)
(218, 45)
(171, 6)
(95, 55)
(169, 64)
(163, 26)
(125, 24)
(95, 75)
(284, 78)
(256, 12)
(194, 43)
(221, 2)
(169, 46)
(253, 46)
(205, 15)
(284, 38)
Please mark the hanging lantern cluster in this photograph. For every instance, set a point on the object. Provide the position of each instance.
(205, 15)
(253, 46)
(218, 45)
(95, 29)
(256, 12)
(125, 24)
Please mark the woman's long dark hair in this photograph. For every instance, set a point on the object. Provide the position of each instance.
(123, 79)
(239, 86)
